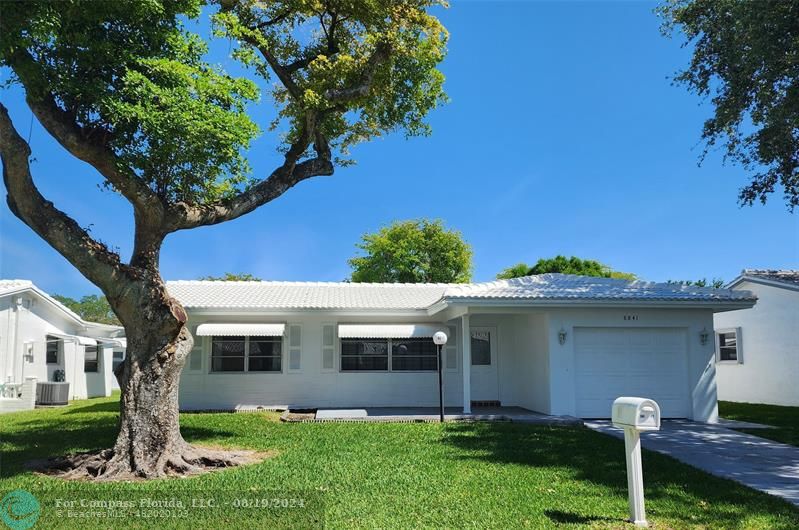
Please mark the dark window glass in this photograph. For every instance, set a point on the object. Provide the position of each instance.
(119, 356)
(481, 348)
(265, 354)
(362, 355)
(227, 354)
(728, 346)
(417, 354)
(91, 362)
(52, 350)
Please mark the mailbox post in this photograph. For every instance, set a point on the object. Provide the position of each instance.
(634, 414)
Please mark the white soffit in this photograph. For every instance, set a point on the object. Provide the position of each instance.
(233, 330)
(388, 331)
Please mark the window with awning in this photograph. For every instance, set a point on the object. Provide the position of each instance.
(388, 347)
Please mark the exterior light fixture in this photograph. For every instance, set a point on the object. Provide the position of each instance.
(562, 336)
(440, 339)
(703, 336)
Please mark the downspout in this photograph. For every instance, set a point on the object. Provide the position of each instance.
(17, 307)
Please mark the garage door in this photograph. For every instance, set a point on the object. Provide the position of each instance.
(645, 362)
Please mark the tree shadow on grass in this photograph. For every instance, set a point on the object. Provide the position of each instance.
(675, 490)
(90, 408)
(41, 439)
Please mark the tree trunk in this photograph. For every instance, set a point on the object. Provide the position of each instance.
(149, 443)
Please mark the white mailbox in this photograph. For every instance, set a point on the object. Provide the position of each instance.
(636, 413)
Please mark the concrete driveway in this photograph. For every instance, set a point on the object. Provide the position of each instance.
(761, 464)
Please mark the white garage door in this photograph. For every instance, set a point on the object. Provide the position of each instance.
(644, 362)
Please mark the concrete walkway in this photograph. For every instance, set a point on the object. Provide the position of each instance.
(431, 414)
(761, 464)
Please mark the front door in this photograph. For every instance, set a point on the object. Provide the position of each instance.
(485, 376)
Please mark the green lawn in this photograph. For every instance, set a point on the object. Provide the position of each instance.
(784, 419)
(407, 475)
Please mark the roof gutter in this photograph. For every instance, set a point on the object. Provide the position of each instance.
(725, 305)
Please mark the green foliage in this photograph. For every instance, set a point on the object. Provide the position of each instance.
(564, 265)
(416, 251)
(335, 41)
(715, 283)
(232, 277)
(93, 308)
(131, 74)
(516, 271)
(745, 61)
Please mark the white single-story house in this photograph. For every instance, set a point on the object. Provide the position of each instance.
(553, 343)
(757, 349)
(42, 338)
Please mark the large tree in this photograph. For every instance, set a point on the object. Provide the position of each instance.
(416, 251)
(564, 265)
(745, 60)
(128, 89)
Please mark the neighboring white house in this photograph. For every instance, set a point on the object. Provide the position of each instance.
(40, 336)
(758, 348)
(556, 344)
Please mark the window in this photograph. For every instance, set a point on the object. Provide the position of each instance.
(264, 354)
(728, 345)
(52, 350)
(481, 348)
(407, 355)
(364, 355)
(119, 356)
(415, 354)
(90, 360)
(246, 354)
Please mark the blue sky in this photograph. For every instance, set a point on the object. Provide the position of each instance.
(564, 135)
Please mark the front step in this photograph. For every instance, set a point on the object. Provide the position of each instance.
(486, 404)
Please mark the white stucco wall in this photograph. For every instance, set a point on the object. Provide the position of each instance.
(534, 370)
(311, 386)
(769, 367)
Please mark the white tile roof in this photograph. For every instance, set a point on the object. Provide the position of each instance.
(304, 295)
(8, 287)
(14, 286)
(571, 287)
(387, 296)
(775, 275)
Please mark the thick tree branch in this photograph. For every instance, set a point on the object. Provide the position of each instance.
(290, 173)
(93, 259)
(78, 141)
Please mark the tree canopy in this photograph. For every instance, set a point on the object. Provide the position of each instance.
(415, 251)
(564, 265)
(745, 61)
(129, 88)
(233, 277)
(92, 307)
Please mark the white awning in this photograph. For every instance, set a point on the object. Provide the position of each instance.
(388, 331)
(233, 330)
(120, 342)
(83, 341)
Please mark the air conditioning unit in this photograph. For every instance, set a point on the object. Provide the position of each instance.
(49, 394)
